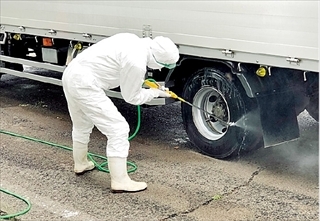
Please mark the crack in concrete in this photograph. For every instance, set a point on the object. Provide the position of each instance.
(254, 174)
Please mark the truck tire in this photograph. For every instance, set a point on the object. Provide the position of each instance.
(215, 92)
(14, 51)
(313, 106)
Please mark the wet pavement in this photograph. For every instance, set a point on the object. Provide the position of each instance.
(277, 183)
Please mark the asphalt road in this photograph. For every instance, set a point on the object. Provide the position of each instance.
(278, 183)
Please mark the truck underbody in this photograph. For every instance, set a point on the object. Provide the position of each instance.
(261, 84)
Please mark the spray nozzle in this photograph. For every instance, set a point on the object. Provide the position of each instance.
(232, 124)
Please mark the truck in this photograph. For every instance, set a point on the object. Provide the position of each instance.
(253, 64)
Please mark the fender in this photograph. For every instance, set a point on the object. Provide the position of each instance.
(209, 62)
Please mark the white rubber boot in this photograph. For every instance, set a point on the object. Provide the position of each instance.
(81, 162)
(120, 181)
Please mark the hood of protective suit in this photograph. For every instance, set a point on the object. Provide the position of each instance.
(163, 51)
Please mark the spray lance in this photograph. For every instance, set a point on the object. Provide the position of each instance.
(153, 84)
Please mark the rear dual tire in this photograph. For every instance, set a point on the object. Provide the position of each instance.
(313, 106)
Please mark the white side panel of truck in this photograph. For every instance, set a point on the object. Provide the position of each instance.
(263, 32)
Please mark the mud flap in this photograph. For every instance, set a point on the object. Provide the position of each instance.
(278, 118)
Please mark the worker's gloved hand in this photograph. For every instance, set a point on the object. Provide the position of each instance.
(160, 93)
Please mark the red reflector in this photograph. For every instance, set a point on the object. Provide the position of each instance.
(47, 42)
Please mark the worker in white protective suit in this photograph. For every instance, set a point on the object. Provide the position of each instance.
(119, 60)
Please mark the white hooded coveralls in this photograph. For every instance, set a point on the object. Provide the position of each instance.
(120, 60)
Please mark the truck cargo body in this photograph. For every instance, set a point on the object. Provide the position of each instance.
(257, 61)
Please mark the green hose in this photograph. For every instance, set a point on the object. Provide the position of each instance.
(138, 123)
(18, 213)
(100, 167)
(90, 155)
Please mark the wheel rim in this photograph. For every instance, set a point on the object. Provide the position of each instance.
(211, 100)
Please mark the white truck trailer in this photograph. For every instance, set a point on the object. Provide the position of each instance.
(250, 62)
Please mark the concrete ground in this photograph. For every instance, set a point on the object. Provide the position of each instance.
(278, 183)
